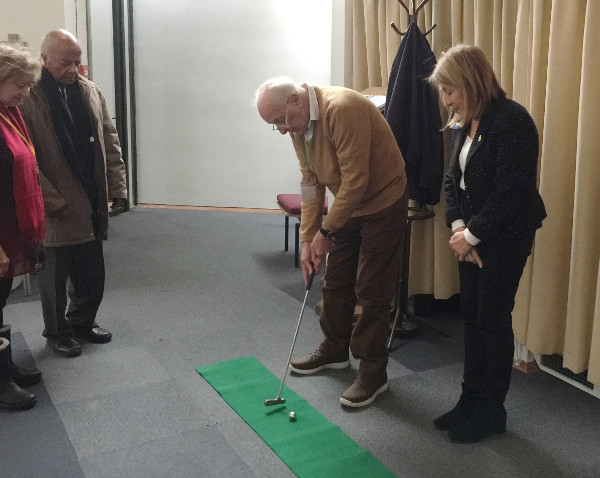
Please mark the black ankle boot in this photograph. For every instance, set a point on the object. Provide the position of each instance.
(485, 420)
(21, 376)
(460, 413)
(12, 396)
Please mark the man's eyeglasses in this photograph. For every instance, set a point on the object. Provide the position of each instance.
(279, 127)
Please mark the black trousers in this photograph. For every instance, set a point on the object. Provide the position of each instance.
(83, 265)
(487, 300)
(5, 288)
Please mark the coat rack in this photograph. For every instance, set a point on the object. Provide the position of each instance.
(412, 17)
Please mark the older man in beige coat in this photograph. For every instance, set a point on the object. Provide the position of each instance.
(81, 169)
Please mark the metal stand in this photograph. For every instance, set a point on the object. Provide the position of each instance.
(402, 326)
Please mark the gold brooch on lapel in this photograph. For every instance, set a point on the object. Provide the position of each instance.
(479, 139)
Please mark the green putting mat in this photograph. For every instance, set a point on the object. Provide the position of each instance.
(311, 446)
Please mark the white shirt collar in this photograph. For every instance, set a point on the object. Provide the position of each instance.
(314, 112)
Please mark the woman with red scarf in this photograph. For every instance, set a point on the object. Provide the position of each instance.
(22, 223)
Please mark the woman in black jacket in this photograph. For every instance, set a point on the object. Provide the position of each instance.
(494, 208)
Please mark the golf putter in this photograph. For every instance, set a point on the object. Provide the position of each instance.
(279, 400)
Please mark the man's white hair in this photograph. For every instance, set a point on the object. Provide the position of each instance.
(279, 89)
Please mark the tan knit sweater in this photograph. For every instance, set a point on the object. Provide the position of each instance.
(355, 155)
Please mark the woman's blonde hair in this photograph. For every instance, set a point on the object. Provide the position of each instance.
(18, 60)
(465, 67)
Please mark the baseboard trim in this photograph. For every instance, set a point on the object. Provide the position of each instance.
(209, 208)
(526, 367)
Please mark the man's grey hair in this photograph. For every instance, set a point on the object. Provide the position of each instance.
(279, 89)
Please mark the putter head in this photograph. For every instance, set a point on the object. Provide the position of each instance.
(274, 401)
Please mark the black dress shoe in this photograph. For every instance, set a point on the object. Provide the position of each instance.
(98, 335)
(64, 345)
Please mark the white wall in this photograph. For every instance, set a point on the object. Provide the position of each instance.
(100, 33)
(198, 64)
(34, 18)
(341, 43)
(30, 19)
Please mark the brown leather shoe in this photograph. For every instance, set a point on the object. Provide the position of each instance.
(317, 361)
(362, 392)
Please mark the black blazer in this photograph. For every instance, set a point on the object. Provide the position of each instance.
(500, 175)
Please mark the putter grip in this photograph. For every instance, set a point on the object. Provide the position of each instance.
(309, 281)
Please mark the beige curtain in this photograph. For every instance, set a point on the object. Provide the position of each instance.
(545, 54)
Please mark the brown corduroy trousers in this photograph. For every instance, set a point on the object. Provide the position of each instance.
(364, 265)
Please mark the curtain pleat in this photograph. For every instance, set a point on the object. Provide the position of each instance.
(585, 248)
(545, 54)
(550, 282)
(360, 65)
(529, 89)
(594, 367)
(373, 48)
(483, 23)
(506, 38)
(469, 25)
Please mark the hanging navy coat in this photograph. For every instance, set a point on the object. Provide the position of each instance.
(412, 110)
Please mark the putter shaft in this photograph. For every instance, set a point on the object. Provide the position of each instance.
(278, 400)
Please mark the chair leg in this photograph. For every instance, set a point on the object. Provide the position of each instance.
(297, 246)
(287, 224)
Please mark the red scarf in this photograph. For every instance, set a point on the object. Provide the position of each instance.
(26, 184)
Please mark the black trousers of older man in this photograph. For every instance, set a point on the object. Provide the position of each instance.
(83, 265)
(364, 265)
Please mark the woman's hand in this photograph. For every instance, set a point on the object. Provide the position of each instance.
(473, 257)
(464, 251)
(459, 244)
(4, 262)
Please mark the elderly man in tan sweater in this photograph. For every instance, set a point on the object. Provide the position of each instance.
(345, 144)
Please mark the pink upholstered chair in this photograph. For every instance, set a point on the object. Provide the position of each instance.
(290, 205)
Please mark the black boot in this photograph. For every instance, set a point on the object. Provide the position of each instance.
(21, 376)
(460, 413)
(487, 418)
(12, 396)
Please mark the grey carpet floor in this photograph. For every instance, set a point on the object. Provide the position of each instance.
(188, 288)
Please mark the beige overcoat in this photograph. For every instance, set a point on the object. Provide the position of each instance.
(68, 209)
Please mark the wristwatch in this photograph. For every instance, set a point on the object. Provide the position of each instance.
(326, 234)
